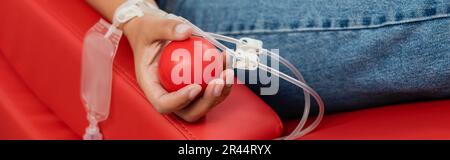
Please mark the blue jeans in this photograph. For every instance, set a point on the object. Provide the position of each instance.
(355, 54)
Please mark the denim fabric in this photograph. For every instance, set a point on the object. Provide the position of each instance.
(354, 53)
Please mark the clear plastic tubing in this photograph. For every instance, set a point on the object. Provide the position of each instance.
(300, 82)
(292, 68)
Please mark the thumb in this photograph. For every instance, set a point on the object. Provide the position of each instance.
(170, 29)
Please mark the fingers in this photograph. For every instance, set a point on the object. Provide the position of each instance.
(173, 29)
(215, 93)
(165, 29)
(163, 101)
(202, 105)
(170, 102)
(229, 80)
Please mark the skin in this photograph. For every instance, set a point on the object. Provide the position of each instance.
(146, 36)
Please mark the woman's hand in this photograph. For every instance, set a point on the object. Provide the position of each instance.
(147, 35)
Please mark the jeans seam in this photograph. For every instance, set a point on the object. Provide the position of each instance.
(344, 26)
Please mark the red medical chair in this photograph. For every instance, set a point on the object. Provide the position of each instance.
(40, 58)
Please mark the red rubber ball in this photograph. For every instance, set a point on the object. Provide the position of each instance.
(179, 59)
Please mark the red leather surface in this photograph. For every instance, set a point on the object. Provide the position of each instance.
(42, 42)
(422, 120)
(22, 115)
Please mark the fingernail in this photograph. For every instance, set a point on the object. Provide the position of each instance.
(229, 77)
(182, 28)
(194, 92)
(218, 87)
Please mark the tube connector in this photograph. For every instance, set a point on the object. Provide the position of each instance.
(247, 51)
